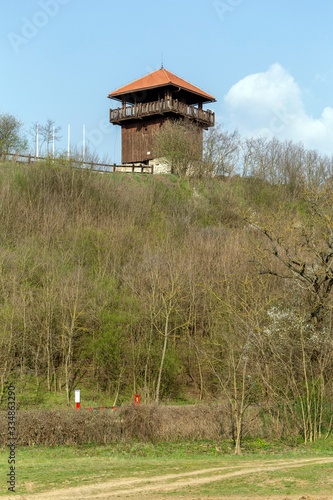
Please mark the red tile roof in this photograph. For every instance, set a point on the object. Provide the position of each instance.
(160, 78)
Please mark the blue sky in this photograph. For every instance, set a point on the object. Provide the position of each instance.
(268, 63)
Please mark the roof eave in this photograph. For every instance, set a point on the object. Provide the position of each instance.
(118, 95)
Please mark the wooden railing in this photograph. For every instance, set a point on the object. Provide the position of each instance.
(139, 168)
(162, 106)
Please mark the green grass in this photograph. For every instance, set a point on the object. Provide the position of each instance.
(311, 479)
(28, 397)
(40, 469)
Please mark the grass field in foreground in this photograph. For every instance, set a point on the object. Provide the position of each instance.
(40, 469)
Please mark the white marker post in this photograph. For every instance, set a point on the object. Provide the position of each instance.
(53, 142)
(77, 399)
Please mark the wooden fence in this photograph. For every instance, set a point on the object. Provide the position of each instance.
(107, 168)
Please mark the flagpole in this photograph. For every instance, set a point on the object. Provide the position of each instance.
(69, 140)
(84, 144)
(37, 140)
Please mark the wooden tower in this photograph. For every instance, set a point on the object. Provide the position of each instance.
(149, 102)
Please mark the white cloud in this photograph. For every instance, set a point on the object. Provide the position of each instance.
(271, 104)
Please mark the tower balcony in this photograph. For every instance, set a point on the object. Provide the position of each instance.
(204, 118)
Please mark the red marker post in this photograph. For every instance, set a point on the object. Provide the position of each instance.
(77, 399)
(136, 399)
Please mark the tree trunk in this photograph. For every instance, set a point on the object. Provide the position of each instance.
(238, 419)
(166, 334)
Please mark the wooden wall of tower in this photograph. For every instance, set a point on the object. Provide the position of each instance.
(137, 139)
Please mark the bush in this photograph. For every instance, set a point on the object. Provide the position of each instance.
(146, 423)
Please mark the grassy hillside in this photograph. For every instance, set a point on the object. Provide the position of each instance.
(125, 284)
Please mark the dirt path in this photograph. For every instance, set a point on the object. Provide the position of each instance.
(142, 488)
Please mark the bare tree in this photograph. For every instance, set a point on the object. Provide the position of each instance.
(239, 312)
(303, 248)
(180, 143)
(221, 151)
(46, 134)
(299, 250)
(285, 163)
(49, 133)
